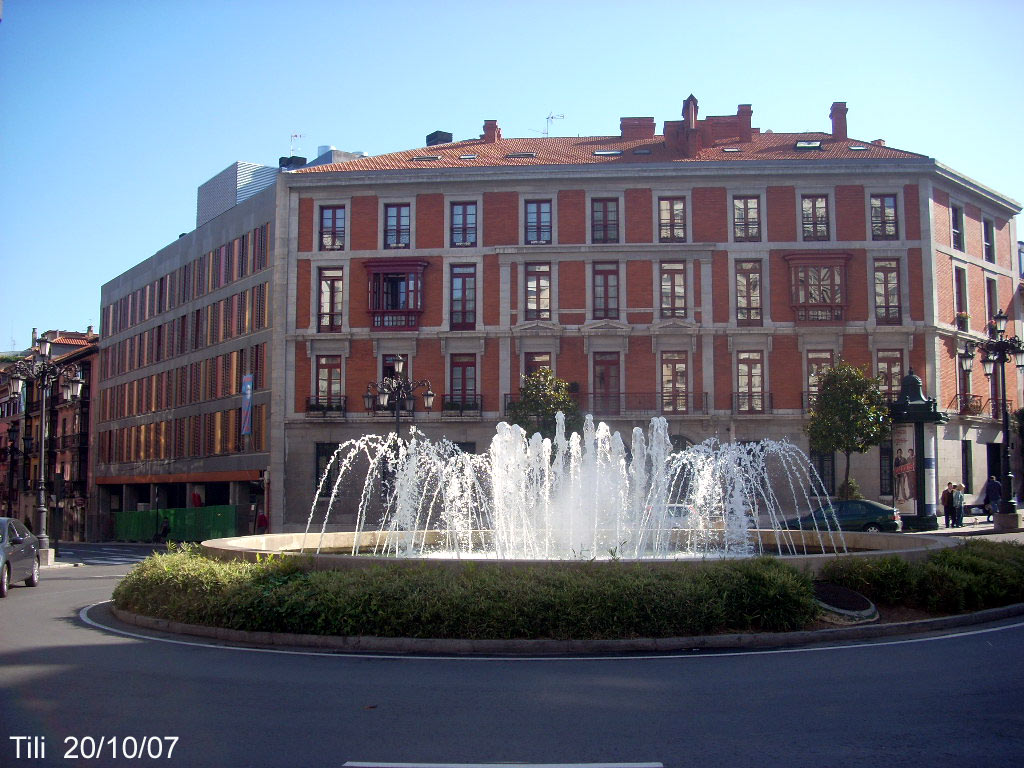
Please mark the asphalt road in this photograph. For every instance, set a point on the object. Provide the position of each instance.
(955, 700)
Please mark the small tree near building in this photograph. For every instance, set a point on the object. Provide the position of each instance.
(541, 396)
(848, 415)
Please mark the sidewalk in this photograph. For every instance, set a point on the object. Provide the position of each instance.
(974, 525)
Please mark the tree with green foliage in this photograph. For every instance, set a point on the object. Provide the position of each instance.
(541, 396)
(849, 415)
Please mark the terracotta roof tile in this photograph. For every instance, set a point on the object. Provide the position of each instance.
(580, 151)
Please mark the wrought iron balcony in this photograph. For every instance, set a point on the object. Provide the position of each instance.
(752, 403)
(329, 405)
(461, 406)
(967, 405)
(636, 404)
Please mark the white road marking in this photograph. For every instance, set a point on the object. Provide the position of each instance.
(84, 616)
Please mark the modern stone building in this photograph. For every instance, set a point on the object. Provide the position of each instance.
(703, 274)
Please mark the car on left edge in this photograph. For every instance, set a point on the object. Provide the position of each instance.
(19, 555)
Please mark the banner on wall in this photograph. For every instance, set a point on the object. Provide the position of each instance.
(247, 404)
(904, 469)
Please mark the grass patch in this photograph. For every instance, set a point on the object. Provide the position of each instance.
(977, 575)
(478, 601)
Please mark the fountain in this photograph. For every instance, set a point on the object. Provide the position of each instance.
(578, 498)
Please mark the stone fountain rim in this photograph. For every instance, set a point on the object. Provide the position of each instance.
(252, 548)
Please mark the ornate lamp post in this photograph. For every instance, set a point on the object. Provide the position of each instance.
(42, 370)
(397, 391)
(13, 435)
(999, 350)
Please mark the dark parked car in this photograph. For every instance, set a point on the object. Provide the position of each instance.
(19, 555)
(853, 515)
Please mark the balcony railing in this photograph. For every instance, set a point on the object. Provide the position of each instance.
(967, 405)
(333, 405)
(751, 402)
(66, 442)
(461, 406)
(994, 407)
(636, 403)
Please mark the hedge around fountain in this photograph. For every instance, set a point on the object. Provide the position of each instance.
(607, 599)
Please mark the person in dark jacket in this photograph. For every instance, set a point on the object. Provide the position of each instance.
(993, 495)
(958, 506)
(947, 504)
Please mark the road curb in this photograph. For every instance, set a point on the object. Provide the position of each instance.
(546, 647)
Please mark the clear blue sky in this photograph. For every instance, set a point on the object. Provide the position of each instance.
(113, 112)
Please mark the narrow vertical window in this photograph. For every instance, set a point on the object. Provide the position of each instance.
(606, 383)
(884, 225)
(815, 217)
(538, 222)
(329, 385)
(604, 220)
(988, 238)
(746, 219)
(673, 289)
(889, 368)
(331, 316)
(396, 226)
(748, 292)
(538, 291)
(674, 397)
(956, 218)
(463, 225)
(606, 291)
(750, 382)
(991, 298)
(463, 297)
(887, 292)
(332, 228)
(672, 220)
(462, 374)
(818, 361)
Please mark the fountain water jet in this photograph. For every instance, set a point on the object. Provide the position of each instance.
(577, 497)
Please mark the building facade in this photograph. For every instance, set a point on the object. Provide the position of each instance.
(69, 488)
(704, 274)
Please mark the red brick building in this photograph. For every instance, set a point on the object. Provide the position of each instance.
(704, 274)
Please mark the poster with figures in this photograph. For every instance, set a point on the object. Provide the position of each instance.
(904, 474)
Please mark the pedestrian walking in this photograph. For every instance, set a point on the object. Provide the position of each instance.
(262, 523)
(958, 506)
(947, 504)
(993, 495)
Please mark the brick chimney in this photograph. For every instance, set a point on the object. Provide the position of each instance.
(492, 132)
(743, 115)
(690, 112)
(838, 116)
(637, 127)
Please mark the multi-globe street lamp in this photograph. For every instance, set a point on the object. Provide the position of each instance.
(42, 370)
(398, 392)
(998, 350)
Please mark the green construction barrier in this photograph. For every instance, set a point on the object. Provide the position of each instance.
(188, 524)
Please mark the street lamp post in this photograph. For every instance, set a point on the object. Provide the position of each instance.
(998, 350)
(42, 370)
(398, 391)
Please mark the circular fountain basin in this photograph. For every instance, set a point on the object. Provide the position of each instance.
(808, 551)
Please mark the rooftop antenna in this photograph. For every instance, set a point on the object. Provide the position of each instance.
(292, 139)
(547, 127)
(551, 117)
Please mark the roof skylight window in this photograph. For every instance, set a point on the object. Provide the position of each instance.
(607, 152)
(808, 145)
(730, 149)
(467, 157)
(514, 155)
(426, 158)
(857, 147)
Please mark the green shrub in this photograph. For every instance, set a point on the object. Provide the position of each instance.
(478, 600)
(979, 574)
